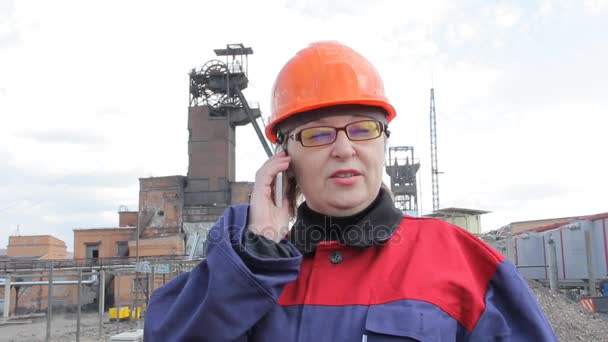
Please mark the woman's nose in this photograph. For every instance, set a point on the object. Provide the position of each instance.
(342, 147)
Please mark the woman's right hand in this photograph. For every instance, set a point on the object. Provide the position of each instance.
(265, 218)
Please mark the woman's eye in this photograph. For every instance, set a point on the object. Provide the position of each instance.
(320, 134)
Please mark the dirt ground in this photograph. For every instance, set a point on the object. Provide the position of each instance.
(63, 328)
(570, 321)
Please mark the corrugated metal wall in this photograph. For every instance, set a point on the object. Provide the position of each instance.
(533, 249)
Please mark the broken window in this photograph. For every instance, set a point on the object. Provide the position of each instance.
(92, 250)
(122, 248)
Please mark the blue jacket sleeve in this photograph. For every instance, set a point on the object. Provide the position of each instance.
(512, 312)
(224, 296)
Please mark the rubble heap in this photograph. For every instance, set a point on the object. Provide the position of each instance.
(569, 319)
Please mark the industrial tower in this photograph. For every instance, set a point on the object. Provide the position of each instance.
(434, 169)
(217, 107)
(402, 169)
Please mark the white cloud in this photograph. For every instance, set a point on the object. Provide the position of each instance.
(596, 7)
(507, 16)
(546, 7)
(461, 33)
(97, 93)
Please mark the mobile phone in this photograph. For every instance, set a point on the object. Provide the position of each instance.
(278, 184)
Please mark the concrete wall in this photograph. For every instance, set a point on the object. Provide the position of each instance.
(211, 156)
(190, 229)
(127, 286)
(107, 238)
(36, 245)
(468, 222)
(210, 147)
(167, 245)
(199, 220)
(160, 203)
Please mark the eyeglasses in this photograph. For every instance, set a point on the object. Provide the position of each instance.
(325, 135)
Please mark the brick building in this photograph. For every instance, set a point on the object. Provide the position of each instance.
(34, 250)
(42, 246)
(176, 210)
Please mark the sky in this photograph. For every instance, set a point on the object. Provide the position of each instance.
(94, 95)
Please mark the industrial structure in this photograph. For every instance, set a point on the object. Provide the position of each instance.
(117, 266)
(167, 235)
(402, 169)
(469, 219)
(434, 168)
(217, 106)
(575, 248)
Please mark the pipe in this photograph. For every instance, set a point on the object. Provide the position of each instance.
(14, 272)
(49, 306)
(554, 277)
(7, 298)
(194, 245)
(590, 270)
(37, 275)
(101, 301)
(55, 282)
(79, 304)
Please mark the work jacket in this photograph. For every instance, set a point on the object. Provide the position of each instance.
(422, 280)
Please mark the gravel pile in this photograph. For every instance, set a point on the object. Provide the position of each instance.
(569, 319)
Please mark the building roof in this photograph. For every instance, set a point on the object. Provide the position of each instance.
(564, 221)
(532, 224)
(456, 211)
(28, 239)
(109, 228)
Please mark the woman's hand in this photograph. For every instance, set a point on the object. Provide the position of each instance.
(265, 218)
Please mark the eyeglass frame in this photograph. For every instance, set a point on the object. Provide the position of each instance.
(298, 136)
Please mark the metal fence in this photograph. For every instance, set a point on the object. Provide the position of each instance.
(109, 294)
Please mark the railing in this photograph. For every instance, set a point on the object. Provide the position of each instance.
(235, 67)
(19, 265)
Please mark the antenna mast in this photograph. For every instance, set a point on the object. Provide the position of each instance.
(434, 169)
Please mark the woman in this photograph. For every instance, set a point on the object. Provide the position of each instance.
(352, 267)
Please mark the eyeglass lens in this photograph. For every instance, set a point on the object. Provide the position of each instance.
(357, 131)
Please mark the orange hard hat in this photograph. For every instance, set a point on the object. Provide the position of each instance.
(325, 74)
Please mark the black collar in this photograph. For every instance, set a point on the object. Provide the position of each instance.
(372, 226)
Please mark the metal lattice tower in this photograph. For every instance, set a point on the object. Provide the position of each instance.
(434, 169)
(402, 169)
(219, 85)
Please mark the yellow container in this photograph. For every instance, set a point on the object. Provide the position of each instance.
(123, 314)
(138, 312)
